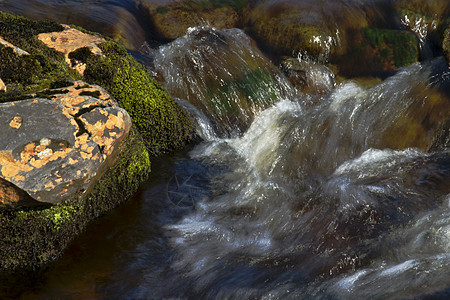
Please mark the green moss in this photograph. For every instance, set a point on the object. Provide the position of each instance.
(60, 84)
(162, 10)
(82, 54)
(27, 74)
(16, 68)
(403, 45)
(155, 114)
(35, 237)
(17, 29)
(95, 94)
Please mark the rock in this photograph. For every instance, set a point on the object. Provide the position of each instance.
(171, 20)
(319, 29)
(54, 148)
(70, 40)
(25, 74)
(223, 74)
(379, 52)
(13, 196)
(421, 16)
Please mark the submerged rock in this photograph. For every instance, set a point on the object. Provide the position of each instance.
(223, 74)
(55, 148)
(172, 19)
(380, 52)
(320, 30)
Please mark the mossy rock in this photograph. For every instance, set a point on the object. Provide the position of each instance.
(162, 123)
(173, 19)
(378, 52)
(320, 30)
(445, 39)
(428, 14)
(35, 237)
(25, 74)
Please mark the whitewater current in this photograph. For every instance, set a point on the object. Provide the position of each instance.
(344, 196)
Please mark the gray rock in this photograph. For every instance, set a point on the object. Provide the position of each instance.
(56, 148)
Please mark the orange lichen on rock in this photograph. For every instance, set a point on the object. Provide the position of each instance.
(9, 167)
(70, 40)
(90, 126)
(16, 122)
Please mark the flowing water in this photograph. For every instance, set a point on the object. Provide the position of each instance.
(344, 195)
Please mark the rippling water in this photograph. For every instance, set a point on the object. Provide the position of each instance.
(338, 196)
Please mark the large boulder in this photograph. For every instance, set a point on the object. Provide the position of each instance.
(55, 148)
(116, 19)
(378, 52)
(65, 145)
(172, 18)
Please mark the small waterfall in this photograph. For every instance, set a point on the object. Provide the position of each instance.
(337, 193)
(223, 74)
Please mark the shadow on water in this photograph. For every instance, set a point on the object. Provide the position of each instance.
(129, 245)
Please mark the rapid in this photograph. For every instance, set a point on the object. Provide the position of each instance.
(287, 195)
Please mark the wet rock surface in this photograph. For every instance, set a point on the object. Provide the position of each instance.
(173, 19)
(53, 148)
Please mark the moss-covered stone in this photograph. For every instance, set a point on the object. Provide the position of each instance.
(399, 46)
(444, 34)
(24, 74)
(162, 123)
(171, 20)
(378, 52)
(35, 237)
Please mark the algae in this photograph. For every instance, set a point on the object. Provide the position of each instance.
(402, 44)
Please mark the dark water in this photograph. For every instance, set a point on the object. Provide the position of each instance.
(345, 195)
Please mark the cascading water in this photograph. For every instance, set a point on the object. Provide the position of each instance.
(341, 195)
(344, 198)
(223, 74)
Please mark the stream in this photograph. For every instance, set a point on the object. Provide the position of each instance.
(343, 195)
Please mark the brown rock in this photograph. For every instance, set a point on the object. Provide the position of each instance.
(172, 18)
